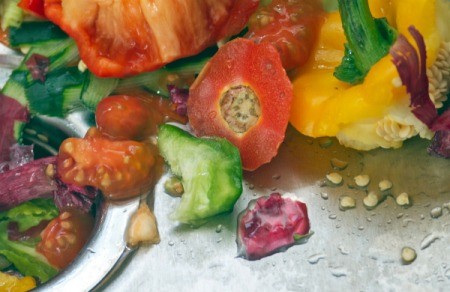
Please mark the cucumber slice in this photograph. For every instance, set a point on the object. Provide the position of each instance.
(95, 89)
(12, 15)
(35, 32)
(210, 169)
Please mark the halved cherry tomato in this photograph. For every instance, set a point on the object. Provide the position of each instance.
(120, 169)
(243, 94)
(65, 236)
(119, 38)
(35, 7)
(126, 117)
(290, 25)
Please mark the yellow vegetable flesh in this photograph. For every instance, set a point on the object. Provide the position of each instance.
(325, 106)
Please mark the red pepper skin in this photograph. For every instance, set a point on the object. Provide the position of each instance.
(35, 7)
(242, 63)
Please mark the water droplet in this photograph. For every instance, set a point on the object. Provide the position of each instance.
(323, 208)
(332, 216)
(443, 265)
(361, 227)
(389, 221)
(276, 176)
(325, 142)
(251, 186)
(324, 196)
(338, 226)
(315, 258)
(338, 272)
(422, 216)
(436, 212)
(338, 164)
(447, 274)
(407, 221)
(273, 189)
(342, 250)
(171, 243)
(369, 219)
(400, 215)
(428, 240)
(219, 239)
(219, 228)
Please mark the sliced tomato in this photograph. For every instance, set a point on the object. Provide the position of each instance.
(128, 117)
(65, 236)
(120, 169)
(119, 38)
(35, 7)
(291, 26)
(243, 94)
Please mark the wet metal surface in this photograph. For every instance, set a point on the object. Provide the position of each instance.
(357, 249)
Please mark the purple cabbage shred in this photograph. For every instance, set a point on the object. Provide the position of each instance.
(411, 66)
(38, 66)
(179, 97)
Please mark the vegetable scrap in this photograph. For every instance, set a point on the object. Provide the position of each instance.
(271, 224)
(210, 170)
(244, 95)
(376, 112)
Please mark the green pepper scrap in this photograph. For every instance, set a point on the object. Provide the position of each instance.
(210, 169)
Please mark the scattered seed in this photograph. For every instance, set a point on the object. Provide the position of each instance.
(80, 176)
(68, 147)
(402, 199)
(174, 187)
(66, 225)
(385, 185)
(70, 238)
(50, 170)
(338, 164)
(408, 255)
(346, 202)
(362, 180)
(106, 181)
(436, 212)
(82, 66)
(372, 200)
(335, 178)
(61, 241)
(65, 215)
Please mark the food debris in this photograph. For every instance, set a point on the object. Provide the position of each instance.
(271, 224)
(334, 178)
(362, 180)
(402, 199)
(408, 255)
(385, 185)
(143, 227)
(346, 202)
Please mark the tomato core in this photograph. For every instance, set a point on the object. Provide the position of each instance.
(240, 108)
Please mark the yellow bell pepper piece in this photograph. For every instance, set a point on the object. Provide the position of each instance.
(323, 105)
(15, 284)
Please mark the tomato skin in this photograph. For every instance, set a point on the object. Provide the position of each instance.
(124, 117)
(120, 169)
(291, 26)
(35, 7)
(134, 117)
(65, 236)
(127, 37)
(241, 62)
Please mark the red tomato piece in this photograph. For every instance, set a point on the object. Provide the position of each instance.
(127, 117)
(244, 95)
(291, 26)
(65, 236)
(120, 169)
(126, 37)
(35, 7)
